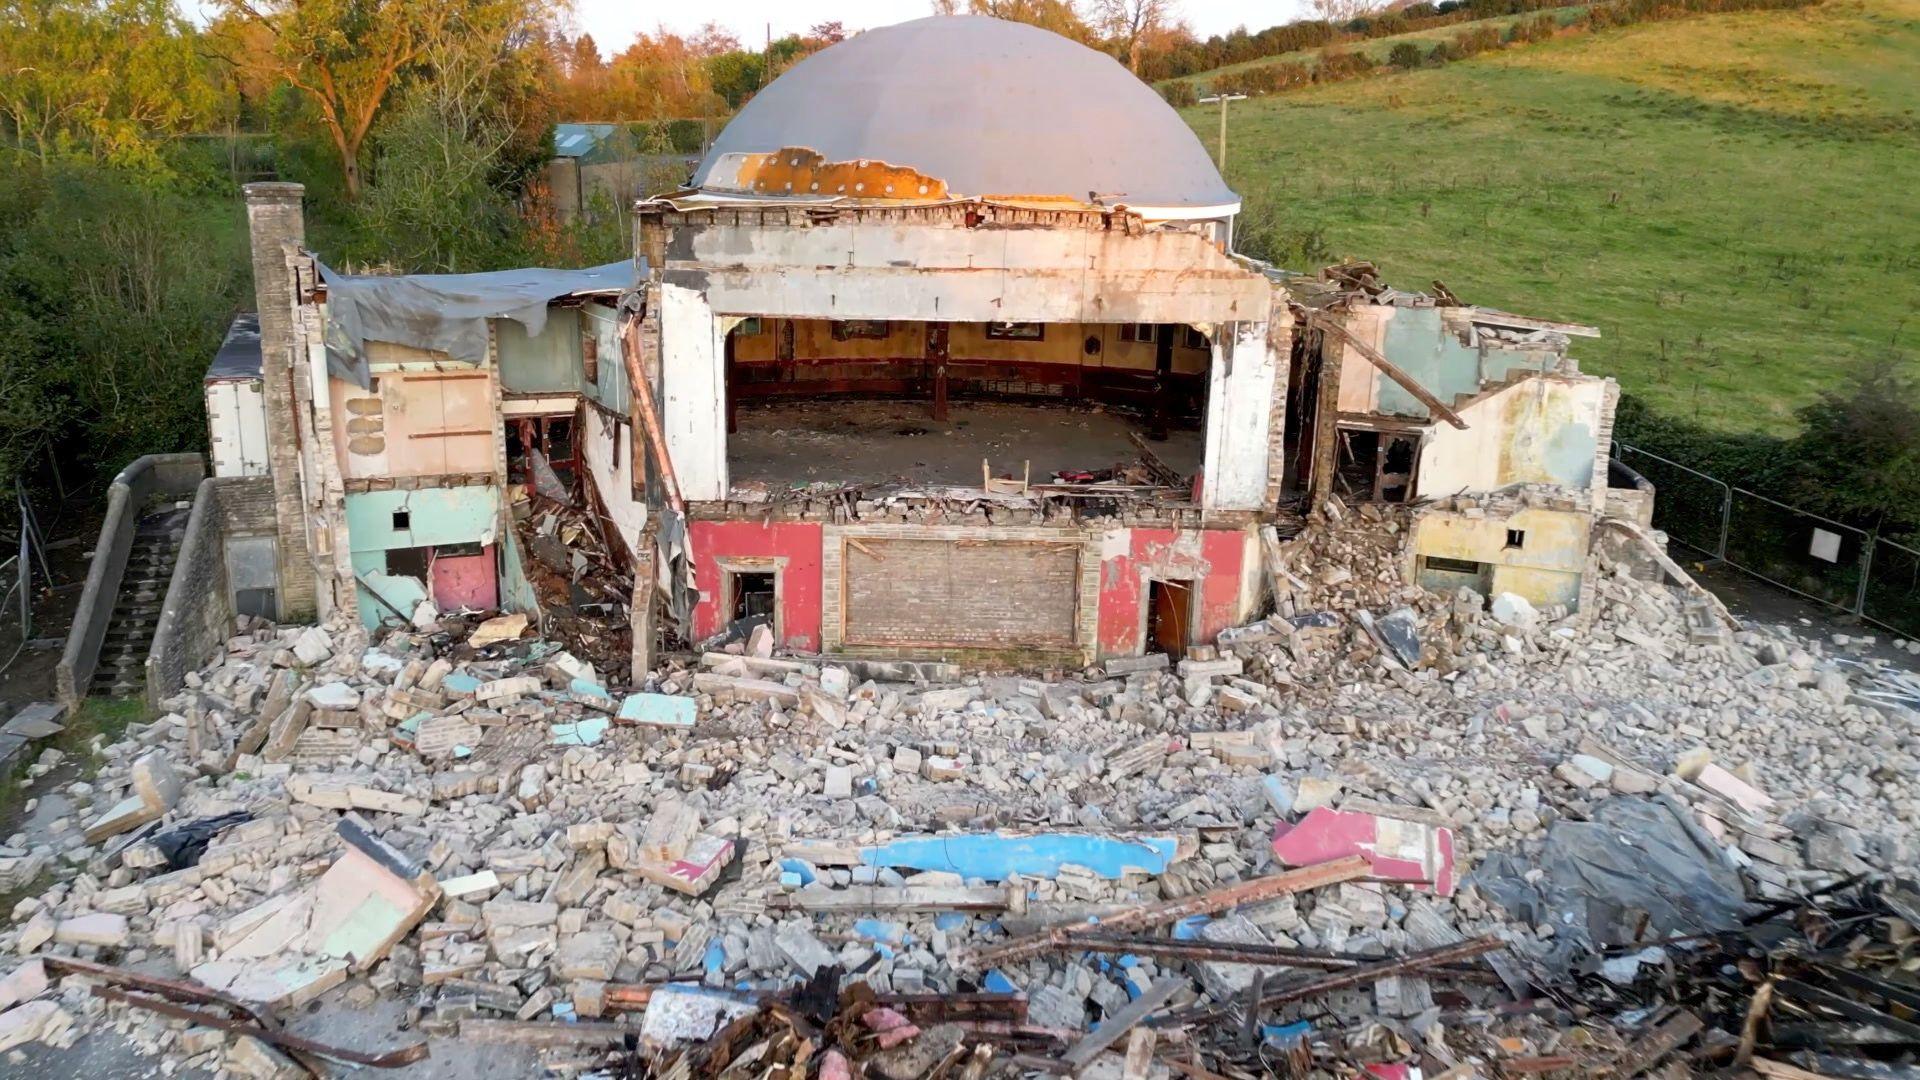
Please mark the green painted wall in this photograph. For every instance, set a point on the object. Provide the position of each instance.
(548, 362)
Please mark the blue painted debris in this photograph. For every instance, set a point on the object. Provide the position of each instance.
(800, 869)
(949, 920)
(589, 688)
(892, 933)
(1188, 929)
(657, 710)
(998, 856)
(1286, 1034)
(715, 960)
(997, 982)
(586, 732)
(460, 684)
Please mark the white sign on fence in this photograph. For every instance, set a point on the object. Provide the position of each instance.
(1826, 545)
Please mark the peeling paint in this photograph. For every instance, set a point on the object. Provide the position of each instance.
(796, 170)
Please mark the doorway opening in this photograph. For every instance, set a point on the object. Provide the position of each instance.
(752, 596)
(1168, 620)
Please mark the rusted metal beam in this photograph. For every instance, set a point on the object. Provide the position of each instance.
(1343, 980)
(1166, 911)
(645, 415)
(392, 1059)
(1233, 953)
(1373, 356)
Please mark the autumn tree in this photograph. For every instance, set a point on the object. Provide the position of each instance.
(107, 79)
(346, 56)
(1059, 16)
(1129, 25)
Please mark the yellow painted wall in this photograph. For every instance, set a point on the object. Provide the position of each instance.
(1541, 430)
(1546, 569)
(1062, 343)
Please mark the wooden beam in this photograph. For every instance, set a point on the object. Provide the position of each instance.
(1094, 1043)
(1374, 357)
(644, 415)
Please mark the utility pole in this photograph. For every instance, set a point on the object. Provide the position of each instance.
(1221, 161)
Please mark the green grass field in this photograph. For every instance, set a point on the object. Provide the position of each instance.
(1378, 48)
(1733, 199)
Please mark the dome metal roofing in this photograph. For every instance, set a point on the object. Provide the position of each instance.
(967, 105)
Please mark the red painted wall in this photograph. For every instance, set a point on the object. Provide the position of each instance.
(798, 543)
(1213, 565)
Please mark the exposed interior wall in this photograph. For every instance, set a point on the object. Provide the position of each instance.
(1064, 344)
(1067, 361)
(1429, 345)
(1239, 410)
(1542, 430)
(607, 447)
(547, 362)
(1213, 560)
(415, 423)
(790, 550)
(1545, 567)
(434, 517)
(600, 322)
(693, 392)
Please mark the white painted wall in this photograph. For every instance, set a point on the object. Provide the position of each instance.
(610, 465)
(1239, 405)
(237, 427)
(693, 393)
(1541, 430)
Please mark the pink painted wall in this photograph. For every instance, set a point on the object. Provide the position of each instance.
(466, 581)
(1210, 558)
(799, 544)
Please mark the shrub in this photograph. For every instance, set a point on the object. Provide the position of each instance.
(1179, 94)
(1404, 55)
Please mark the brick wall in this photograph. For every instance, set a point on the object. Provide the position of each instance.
(198, 614)
(275, 220)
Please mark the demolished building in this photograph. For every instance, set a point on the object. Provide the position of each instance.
(929, 376)
(1388, 830)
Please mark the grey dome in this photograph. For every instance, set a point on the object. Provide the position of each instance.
(989, 107)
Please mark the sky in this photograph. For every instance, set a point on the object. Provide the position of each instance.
(613, 23)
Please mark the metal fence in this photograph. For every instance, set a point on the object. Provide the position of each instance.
(1797, 550)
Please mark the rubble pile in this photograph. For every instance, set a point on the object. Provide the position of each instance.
(1384, 826)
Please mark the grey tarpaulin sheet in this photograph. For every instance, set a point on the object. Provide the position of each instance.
(446, 313)
(1597, 877)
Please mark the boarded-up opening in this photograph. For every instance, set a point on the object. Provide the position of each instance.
(959, 593)
(1169, 616)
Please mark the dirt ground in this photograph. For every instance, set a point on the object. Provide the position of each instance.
(793, 443)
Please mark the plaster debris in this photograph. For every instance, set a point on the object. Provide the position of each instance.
(895, 856)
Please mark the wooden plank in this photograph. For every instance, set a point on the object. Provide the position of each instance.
(1646, 1051)
(1095, 1042)
(1373, 356)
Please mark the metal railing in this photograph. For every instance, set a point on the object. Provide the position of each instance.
(1804, 553)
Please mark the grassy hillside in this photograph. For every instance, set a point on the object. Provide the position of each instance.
(1733, 199)
(1379, 47)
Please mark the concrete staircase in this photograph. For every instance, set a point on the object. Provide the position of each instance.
(136, 611)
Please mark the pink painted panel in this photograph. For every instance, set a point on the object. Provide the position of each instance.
(471, 581)
(1210, 558)
(800, 591)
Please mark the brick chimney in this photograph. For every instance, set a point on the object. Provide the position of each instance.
(278, 228)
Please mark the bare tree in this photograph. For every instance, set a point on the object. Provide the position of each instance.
(1128, 24)
(1340, 11)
